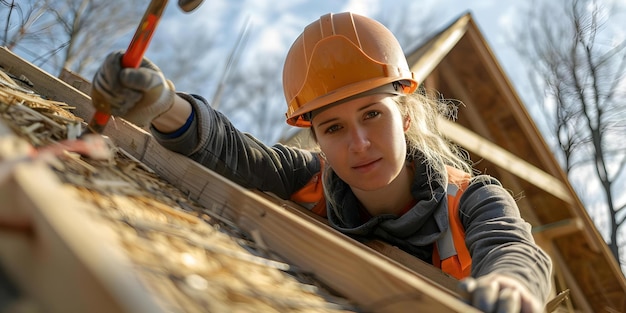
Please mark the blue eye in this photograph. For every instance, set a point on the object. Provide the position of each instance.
(372, 114)
(332, 129)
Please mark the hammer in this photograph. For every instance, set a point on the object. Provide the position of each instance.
(134, 54)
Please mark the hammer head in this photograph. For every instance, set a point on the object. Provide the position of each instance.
(189, 5)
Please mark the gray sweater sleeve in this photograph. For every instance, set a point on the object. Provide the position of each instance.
(214, 142)
(499, 240)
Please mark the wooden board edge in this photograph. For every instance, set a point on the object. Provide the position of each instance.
(505, 159)
(46, 84)
(416, 266)
(68, 263)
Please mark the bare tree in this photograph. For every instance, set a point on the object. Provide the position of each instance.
(89, 29)
(579, 76)
(25, 25)
(68, 34)
(245, 88)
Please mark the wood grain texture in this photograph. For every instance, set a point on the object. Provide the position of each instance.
(64, 249)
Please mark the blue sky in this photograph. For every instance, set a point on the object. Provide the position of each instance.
(274, 25)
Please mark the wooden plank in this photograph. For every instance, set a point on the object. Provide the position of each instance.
(422, 269)
(478, 126)
(560, 228)
(504, 159)
(46, 84)
(55, 244)
(368, 279)
(76, 81)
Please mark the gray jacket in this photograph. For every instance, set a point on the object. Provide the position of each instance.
(498, 239)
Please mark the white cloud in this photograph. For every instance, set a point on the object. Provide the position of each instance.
(363, 7)
(269, 40)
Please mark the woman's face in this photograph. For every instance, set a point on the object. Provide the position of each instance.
(363, 140)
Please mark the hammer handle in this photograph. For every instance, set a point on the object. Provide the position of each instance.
(132, 57)
(143, 35)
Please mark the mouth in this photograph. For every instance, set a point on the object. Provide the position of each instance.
(365, 166)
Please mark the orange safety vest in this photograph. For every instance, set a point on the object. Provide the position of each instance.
(450, 253)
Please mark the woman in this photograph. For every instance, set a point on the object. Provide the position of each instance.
(383, 170)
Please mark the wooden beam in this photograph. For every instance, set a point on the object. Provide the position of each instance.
(503, 84)
(504, 159)
(46, 84)
(420, 268)
(423, 64)
(560, 228)
(478, 125)
(54, 253)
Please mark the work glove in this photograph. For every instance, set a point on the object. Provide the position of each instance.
(138, 95)
(499, 294)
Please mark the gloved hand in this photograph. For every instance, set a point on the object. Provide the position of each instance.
(499, 293)
(138, 95)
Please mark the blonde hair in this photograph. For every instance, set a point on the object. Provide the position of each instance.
(423, 138)
(424, 141)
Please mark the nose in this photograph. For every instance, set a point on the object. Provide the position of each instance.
(359, 139)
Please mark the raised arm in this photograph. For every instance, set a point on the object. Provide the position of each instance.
(509, 270)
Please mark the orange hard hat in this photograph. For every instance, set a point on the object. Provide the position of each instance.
(340, 56)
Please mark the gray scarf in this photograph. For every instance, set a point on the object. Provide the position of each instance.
(414, 232)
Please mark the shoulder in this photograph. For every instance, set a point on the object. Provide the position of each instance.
(486, 198)
(474, 184)
(485, 186)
